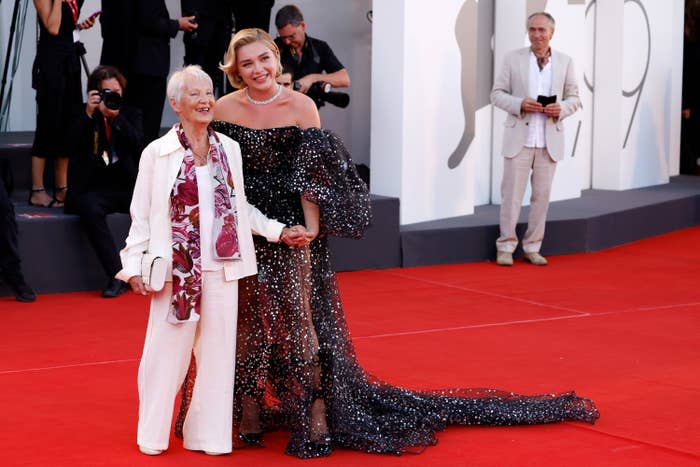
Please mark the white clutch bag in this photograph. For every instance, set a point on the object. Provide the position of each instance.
(153, 271)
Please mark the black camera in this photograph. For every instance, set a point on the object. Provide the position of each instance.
(321, 92)
(112, 100)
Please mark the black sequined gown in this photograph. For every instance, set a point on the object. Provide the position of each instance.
(296, 367)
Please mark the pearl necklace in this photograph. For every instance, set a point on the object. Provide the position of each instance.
(266, 101)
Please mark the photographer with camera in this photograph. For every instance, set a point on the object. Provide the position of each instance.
(315, 68)
(107, 139)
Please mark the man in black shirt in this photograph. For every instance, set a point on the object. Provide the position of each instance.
(311, 60)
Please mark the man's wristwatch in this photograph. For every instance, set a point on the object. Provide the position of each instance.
(296, 85)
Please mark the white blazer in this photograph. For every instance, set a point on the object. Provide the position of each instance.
(511, 86)
(150, 209)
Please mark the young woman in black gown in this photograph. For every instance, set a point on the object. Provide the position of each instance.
(296, 368)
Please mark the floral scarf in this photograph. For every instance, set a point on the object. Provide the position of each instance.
(184, 217)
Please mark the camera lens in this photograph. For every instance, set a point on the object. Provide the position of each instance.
(112, 100)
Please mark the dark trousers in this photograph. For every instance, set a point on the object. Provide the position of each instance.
(690, 145)
(249, 14)
(148, 94)
(93, 207)
(9, 251)
(208, 46)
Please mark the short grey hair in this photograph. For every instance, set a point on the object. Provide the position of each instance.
(177, 81)
(541, 13)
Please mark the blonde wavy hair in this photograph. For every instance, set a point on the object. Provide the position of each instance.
(242, 38)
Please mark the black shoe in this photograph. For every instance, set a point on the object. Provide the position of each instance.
(252, 439)
(22, 291)
(321, 448)
(114, 288)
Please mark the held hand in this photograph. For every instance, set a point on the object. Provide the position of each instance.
(685, 113)
(294, 236)
(553, 110)
(311, 235)
(188, 23)
(93, 101)
(308, 235)
(138, 286)
(531, 105)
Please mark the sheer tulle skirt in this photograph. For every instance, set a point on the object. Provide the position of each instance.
(296, 368)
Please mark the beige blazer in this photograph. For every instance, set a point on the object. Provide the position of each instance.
(150, 209)
(511, 86)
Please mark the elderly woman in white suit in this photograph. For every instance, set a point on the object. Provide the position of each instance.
(189, 207)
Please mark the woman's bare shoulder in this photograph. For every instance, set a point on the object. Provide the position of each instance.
(228, 106)
(305, 110)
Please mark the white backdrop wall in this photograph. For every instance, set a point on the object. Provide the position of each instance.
(431, 128)
(637, 79)
(432, 117)
(22, 95)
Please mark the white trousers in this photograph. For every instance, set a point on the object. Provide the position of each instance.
(516, 171)
(166, 358)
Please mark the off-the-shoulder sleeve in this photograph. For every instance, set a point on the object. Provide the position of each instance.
(324, 173)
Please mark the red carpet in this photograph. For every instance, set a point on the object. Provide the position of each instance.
(621, 326)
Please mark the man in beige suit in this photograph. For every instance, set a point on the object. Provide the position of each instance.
(533, 139)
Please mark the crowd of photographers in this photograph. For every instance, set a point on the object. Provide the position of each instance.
(95, 145)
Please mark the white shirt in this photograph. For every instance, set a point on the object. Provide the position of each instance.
(540, 84)
(206, 219)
